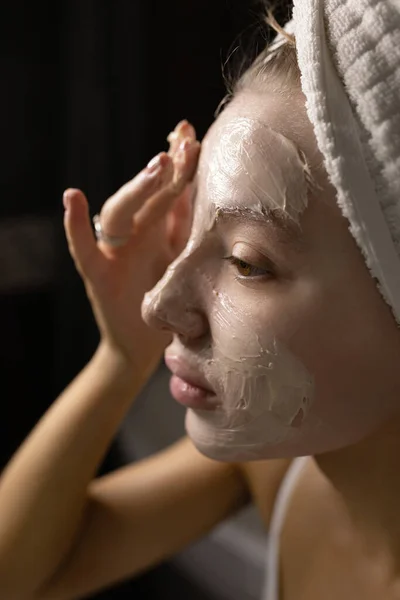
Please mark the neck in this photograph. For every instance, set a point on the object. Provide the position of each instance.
(367, 478)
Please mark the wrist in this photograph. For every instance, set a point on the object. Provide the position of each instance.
(109, 360)
(125, 369)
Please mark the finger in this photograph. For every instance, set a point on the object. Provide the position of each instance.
(180, 221)
(81, 241)
(185, 162)
(183, 130)
(116, 214)
(159, 204)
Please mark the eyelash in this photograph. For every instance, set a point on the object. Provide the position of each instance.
(239, 263)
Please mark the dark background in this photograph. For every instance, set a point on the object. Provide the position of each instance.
(90, 90)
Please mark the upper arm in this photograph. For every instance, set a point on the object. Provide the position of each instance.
(143, 513)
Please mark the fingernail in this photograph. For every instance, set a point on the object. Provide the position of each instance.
(156, 163)
(180, 126)
(171, 137)
(184, 145)
(66, 198)
(176, 133)
(182, 149)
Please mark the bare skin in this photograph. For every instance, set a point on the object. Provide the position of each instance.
(328, 551)
(68, 534)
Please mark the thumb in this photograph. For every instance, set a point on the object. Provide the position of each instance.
(81, 240)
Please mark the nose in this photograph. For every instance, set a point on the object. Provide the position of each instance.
(174, 304)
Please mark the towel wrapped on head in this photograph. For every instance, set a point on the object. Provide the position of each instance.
(349, 57)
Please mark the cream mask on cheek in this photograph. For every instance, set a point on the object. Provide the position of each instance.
(264, 393)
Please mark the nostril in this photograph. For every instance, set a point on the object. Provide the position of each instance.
(165, 310)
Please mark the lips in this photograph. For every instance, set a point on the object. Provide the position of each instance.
(188, 386)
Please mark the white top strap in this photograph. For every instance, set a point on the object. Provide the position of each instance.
(271, 585)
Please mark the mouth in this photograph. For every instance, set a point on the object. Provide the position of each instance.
(188, 387)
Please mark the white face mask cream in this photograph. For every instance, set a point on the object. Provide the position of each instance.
(239, 170)
(265, 392)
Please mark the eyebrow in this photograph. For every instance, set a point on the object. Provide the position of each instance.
(289, 232)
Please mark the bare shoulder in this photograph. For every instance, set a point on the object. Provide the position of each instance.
(320, 551)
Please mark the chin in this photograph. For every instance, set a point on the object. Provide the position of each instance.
(266, 441)
(234, 453)
(239, 445)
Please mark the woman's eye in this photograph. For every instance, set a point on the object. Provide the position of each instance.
(245, 269)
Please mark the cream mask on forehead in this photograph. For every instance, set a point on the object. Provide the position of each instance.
(263, 392)
(250, 151)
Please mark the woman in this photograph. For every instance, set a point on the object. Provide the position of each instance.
(282, 343)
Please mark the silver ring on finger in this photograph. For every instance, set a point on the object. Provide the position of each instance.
(111, 240)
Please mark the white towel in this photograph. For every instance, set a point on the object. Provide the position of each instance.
(349, 57)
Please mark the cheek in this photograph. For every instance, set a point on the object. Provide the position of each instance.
(265, 391)
(252, 330)
(245, 320)
(338, 327)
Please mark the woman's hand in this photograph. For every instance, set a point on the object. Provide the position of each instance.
(151, 214)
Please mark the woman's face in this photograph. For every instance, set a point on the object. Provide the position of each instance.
(273, 311)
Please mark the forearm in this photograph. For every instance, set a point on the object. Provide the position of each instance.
(43, 489)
